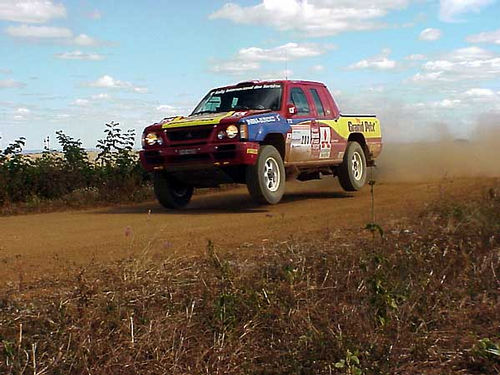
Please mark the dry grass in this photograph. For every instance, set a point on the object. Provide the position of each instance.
(424, 299)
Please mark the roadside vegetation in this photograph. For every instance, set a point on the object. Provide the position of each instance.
(419, 297)
(69, 178)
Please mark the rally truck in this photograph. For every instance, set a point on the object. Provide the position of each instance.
(259, 133)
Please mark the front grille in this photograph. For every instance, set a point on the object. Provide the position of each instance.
(189, 134)
(190, 158)
(190, 144)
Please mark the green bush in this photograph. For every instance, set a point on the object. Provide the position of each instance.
(115, 175)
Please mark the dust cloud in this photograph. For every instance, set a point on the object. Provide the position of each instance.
(478, 156)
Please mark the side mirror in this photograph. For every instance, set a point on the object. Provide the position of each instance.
(291, 109)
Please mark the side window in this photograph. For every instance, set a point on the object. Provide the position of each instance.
(329, 106)
(298, 98)
(317, 103)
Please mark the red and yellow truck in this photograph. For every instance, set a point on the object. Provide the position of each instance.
(259, 133)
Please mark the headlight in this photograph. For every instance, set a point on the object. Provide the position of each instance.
(232, 131)
(152, 139)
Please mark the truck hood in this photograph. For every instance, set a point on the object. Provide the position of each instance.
(208, 118)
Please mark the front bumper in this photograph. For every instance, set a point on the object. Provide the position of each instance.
(192, 157)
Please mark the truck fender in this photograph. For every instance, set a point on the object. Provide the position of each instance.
(260, 126)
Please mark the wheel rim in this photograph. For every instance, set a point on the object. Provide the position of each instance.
(357, 166)
(272, 175)
(179, 191)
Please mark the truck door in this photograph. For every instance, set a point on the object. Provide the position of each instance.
(299, 138)
(330, 142)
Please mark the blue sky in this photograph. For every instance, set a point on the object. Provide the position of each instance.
(426, 68)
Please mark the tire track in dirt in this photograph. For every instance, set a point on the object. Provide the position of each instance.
(37, 245)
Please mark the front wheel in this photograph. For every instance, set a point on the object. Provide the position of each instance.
(352, 171)
(266, 179)
(170, 192)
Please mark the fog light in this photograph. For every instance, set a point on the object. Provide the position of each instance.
(221, 134)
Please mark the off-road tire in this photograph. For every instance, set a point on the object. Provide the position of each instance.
(170, 192)
(266, 179)
(353, 170)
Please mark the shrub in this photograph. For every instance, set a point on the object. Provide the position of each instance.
(116, 175)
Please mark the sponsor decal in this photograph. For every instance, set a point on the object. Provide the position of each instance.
(245, 88)
(262, 120)
(239, 114)
(325, 142)
(301, 137)
(361, 126)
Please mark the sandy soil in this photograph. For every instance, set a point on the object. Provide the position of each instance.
(34, 246)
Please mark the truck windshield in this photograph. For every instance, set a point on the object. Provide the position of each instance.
(240, 98)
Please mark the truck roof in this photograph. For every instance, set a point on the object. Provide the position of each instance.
(284, 81)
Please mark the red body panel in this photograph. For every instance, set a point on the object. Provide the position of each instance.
(192, 157)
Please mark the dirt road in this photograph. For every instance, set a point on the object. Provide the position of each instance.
(32, 246)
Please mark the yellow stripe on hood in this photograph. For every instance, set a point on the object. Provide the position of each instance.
(209, 119)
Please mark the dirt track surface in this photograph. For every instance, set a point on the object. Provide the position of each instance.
(35, 246)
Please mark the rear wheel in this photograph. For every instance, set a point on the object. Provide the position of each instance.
(266, 179)
(170, 192)
(352, 171)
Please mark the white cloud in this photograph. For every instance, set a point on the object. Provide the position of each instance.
(446, 103)
(234, 67)
(317, 68)
(452, 10)
(141, 90)
(109, 82)
(312, 17)
(81, 102)
(492, 37)
(85, 40)
(30, 11)
(169, 110)
(415, 57)
(61, 35)
(289, 51)
(379, 62)
(79, 55)
(280, 74)
(430, 34)
(23, 111)
(376, 89)
(249, 59)
(471, 63)
(10, 83)
(101, 96)
(480, 93)
(39, 32)
(94, 99)
(467, 100)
